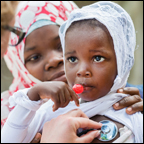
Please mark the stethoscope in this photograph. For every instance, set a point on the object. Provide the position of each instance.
(108, 131)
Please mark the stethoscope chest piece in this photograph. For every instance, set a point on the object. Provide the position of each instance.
(108, 131)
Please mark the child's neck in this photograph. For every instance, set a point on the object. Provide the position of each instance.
(82, 101)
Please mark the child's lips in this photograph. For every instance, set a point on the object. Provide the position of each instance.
(87, 88)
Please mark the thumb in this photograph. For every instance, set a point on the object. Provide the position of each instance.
(37, 138)
(88, 137)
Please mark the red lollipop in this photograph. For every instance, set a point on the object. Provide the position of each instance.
(78, 88)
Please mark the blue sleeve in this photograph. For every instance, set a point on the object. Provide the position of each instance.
(140, 87)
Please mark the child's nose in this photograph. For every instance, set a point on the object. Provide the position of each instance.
(53, 62)
(84, 72)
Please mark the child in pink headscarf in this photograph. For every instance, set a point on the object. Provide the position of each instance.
(32, 17)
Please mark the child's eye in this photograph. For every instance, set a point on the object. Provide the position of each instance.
(34, 58)
(98, 59)
(72, 59)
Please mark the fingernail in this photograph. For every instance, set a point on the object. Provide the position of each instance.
(129, 109)
(100, 123)
(37, 139)
(97, 133)
(125, 88)
(117, 104)
(120, 90)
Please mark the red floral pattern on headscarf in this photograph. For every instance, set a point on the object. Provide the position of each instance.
(27, 13)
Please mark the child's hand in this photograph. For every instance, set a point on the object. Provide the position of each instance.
(59, 92)
(134, 103)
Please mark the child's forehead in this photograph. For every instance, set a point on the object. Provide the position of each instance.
(88, 30)
(89, 25)
(89, 40)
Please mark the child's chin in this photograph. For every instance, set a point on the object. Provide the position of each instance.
(87, 99)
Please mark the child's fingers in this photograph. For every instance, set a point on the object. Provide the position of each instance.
(56, 100)
(54, 107)
(67, 96)
(62, 98)
(74, 96)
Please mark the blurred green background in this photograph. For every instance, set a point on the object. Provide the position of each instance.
(135, 10)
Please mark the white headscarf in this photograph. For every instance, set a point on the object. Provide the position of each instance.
(121, 28)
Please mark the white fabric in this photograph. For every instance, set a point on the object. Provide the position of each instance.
(20, 97)
(126, 136)
(23, 124)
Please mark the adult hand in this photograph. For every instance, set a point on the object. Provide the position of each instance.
(134, 103)
(63, 129)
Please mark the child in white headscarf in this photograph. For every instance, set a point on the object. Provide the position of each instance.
(114, 59)
(98, 44)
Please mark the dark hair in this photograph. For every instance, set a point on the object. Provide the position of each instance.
(93, 23)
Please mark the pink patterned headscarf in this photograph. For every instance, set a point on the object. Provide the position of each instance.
(29, 12)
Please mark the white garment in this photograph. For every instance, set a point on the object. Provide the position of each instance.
(126, 136)
(23, 124)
